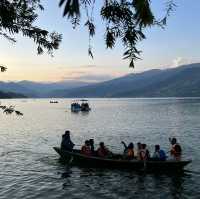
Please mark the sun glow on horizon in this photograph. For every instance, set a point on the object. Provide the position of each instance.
(161, 49)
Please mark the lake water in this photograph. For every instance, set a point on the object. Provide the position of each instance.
(30, 168)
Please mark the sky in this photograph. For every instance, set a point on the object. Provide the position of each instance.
(175, 45)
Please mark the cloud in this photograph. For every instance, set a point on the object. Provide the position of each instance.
(88, 66)
(178, 61)
(86, 77)
(90, 73)
(96, 78)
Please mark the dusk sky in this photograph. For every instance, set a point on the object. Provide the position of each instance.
(178, 44)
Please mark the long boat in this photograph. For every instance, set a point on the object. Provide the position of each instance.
(76, 158)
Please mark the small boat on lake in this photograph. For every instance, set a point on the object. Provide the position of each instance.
(53, 102)
(81, 105)
(76, 158)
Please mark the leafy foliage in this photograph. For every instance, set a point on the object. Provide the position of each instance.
(9, 110)
(18, 16)
(3, 68)
(124, 20)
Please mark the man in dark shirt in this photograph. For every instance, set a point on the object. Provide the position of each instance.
(66, 143)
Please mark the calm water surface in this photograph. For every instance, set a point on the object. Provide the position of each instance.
(29, 168)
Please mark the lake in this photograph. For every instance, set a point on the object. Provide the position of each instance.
(30, 168)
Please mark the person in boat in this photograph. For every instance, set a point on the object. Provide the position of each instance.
(159, 154)
(86, 149)
(125, 147)
(144, 153)
(92, 145)
(176, 150)
(129, 150)
(102, 151)
(66, 143)
(139, 147)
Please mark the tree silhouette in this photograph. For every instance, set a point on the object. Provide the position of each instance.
(18, 16)
(124, 20)
(8, 109)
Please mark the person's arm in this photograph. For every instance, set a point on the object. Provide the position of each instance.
(71, 144)
(125, 146)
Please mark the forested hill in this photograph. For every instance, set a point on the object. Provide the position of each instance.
(183, 81)
(38, 89)
(8, 95)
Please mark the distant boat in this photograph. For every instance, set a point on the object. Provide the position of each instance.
(75, 107)
(76, 158)
(53, 102)
(81, 105)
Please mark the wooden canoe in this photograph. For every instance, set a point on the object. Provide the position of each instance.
(76, 158)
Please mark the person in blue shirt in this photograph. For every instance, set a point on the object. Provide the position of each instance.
(159, 154)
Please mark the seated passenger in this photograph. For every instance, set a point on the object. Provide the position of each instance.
(176, 150)
(102, 151)
(85, 149)
(92, 145)
(144, 153)
(66, 143)
(159, 154)
(129, 150)
(139, 147)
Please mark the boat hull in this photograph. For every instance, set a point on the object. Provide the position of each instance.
(77, 109)
(76, 158)
(74, 109)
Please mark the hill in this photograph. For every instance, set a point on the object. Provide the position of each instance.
(38, 89)
(9, 95)
(183, 81)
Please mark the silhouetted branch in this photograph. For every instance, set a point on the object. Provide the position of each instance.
(10, 109)
(124, 20)
(3, 68)
(18, 16)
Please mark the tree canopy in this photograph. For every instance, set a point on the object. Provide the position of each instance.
(124, 20)
(18, 16)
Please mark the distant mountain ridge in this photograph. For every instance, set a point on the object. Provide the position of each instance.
(183, 81)
(9, 95)
(38, 89)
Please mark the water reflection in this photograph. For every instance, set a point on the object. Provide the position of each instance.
(98, 183)
(29, 167)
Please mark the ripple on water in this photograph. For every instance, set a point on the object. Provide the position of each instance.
(29, 168)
